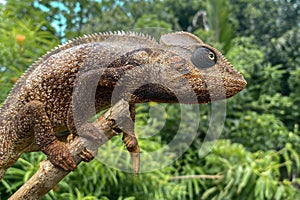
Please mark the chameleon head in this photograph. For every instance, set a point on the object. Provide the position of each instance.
(181, 69)
(210, 76)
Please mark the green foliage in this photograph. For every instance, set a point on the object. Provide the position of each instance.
(21, 43)
(261, 132)
(220, 22)
(241, 174)
(276, 30)
(182, 12)
(25, 10)
(111, 20)
(294, 115)
(146, 21)
(281, 16)
(258, 154)
(15, 176)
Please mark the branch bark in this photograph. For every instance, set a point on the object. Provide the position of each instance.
(49, 175)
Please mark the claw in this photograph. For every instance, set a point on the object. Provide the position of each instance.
(132, 146)
(135, 156)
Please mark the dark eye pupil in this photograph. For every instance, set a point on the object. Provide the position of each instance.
(203, 58)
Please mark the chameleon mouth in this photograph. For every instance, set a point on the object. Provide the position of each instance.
(214, 88)
(234, 86)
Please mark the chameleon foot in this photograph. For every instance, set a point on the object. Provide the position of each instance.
(58, 154)
(87, 155)
(129, 140)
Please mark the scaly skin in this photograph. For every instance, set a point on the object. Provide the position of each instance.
(58, 93)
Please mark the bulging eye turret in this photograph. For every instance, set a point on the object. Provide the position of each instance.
(203, 58)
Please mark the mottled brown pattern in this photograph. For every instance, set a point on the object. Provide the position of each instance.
(41, 105)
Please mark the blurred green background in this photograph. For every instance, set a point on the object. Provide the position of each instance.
(258, 154)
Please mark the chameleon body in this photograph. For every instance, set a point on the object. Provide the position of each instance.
(178, 69)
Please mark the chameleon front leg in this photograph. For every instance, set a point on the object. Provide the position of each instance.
(131, 141)
(33, 118)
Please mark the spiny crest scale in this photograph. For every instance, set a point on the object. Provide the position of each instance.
(96, 37)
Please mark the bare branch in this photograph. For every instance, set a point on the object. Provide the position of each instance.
(204, 176)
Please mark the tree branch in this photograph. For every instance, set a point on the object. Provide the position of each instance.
(49, 175)
(204, 176)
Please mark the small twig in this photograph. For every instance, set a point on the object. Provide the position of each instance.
(49, 175)
(204, 176)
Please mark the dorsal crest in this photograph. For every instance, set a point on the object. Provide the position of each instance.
(119, 36)
(97, 37)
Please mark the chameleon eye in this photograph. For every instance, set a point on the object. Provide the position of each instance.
(203, 58)
(211, 56)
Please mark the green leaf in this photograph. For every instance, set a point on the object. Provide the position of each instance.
(246, 175)
(259, 189)
(279, 192)
(208, 192)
